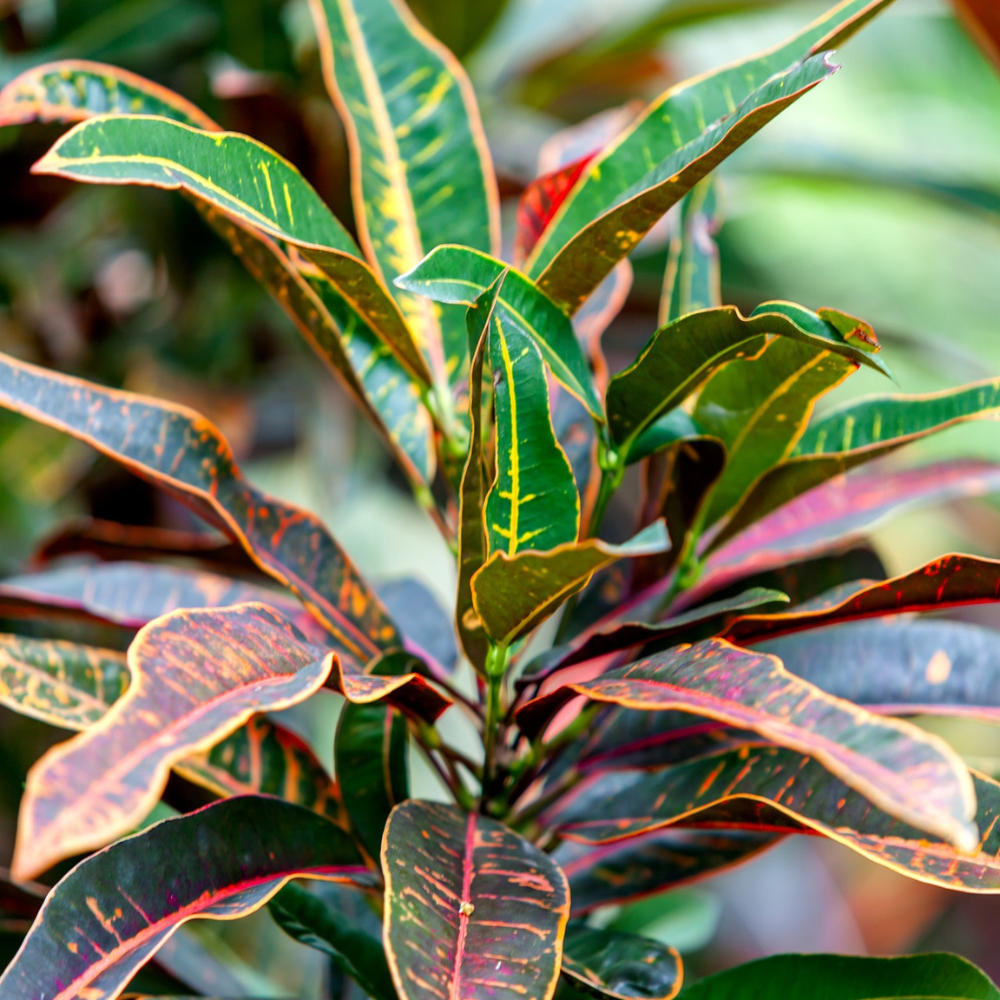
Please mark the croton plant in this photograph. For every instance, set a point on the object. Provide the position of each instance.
(714, 683)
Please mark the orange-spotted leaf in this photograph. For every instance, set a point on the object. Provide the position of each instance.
(610, 964)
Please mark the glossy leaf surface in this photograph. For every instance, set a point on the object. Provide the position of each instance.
(692, 281)
(513, 595)
(907, 772)
(533, 503)
(420, 165)
(464, 893)
(426, 626)
(184, 454)
(621, 966)
(112, 912)
(460, 275)
(681, 356)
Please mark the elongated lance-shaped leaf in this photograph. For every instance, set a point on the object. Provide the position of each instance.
(420, 167)
(681, 356)
(607, 963)
(427, 627)
(77, 89)
(948, 582)
(180, 451)
(63, 683)
(472, 542)
(771, 789)
(834, 515)
(672, 134)
(533, 503)
(112, 912)
(919, 667)
(856, 433)
(369, 755)
(759, 409)
(513, 594)
(842, 977)
(613, 874)
(472, 909)
(459, 275)
(311, 920)
(692, 281)
(909, 773)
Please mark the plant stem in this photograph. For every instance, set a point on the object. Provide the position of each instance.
(569, 780)
(496, 666)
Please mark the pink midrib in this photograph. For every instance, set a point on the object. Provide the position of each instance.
(463, 919)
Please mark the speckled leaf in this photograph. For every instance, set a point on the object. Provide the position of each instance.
(181, 452)
(681, 356)
(472, 909)
(948, 582)
(859, 432)
(777, 790)
(626, 188)
(533, 503)
(512, 595)
(370, 759)
(915, 776)
(112, 912)
(75, 89)
(836, 514)
(63, 683)
(759, 407)
(843, 977)
(460, 275)
(421, 169)
(607, 963)
(692, 281)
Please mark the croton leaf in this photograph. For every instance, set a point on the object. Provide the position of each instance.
(859, 432)
(472, 909)
(185, 455)
(771, 789)
(76, 89)
(685, 132)
(682, 355)
(369, 755)
(948, 582)
(426, 626)
(421, 168)
(983, 22)
(533, 503)
(759, 407)
(692, 281)
(63, 683)
(904, 770)
(620, 966)
(112, 912)
(845, 977)
(513, 594)
(613, 874)
(460, 275)
(834, 515)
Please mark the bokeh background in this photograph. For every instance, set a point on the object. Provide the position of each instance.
(879, 194)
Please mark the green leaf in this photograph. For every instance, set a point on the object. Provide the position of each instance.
(76, 89)
(673, 427)
(180, 451)
(888, 761)
(471, 908)
(620, 966)
(842, 977)
(472, 542)
(681, 356)
(310, 920)
(512, 595)
(759, 407)
(63, 683)
(369, 755)
(112, 912)
(460, 275)
(686, 132)
(692, 281)
(422, 173)
(533, 503)
(859, 432)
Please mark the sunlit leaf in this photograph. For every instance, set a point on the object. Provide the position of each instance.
(607, 963)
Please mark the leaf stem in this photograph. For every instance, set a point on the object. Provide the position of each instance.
(569, 780)
(496, 666)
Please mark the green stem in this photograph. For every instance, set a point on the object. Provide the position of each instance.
(496, 667)
(565, 783)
